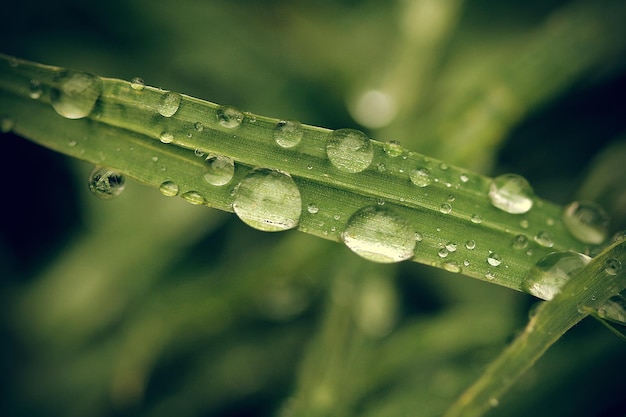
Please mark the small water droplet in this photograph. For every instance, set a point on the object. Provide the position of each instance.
(546, 278)
(168, 189)
(511, 193)
(451, 246)
(586, 221)
(524, 224)
(490, 276)
(193, 197)
(452, 266)
(35, 89)
(268, 200)
(74, 94)
(155, 159)
(71, 143)
(349, 150)
(443, 166)
(168, 104)
(494, 259)
(451, 198)
(6, 124)
(464, 178)
(520, 242)
(198, 127)
(470, 244)
(476, 218)
(612, 266)
(106, 183)
(198, 152)
(381, 167)
(419, 237)
(312, 208)
(137, 84)
(544, 239)
(466, 262)
(337, 217)
(420, 177)
(379, 235)
(445, 208)
(393, 148)
(166, 137)
(288, 133)
(220, 170)
(229, 117)
(443, 252)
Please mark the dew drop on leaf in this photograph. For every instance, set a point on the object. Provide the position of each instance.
(74, 94)
(288, 133)
(168, 104)
(312, 208)
(229, 117)
(349, 150)
(137, 84)
(268, 200)
(166, 137)
(544, 239)
(219, 170)
(511, 193)
(420, 177)
(168, 188)
(612, 266)
(520, 241)
(470, 244)
(106, 183)
(445, 208)
(494, 259)
(193, 197)
(586, 221)
(35, 89)
(550, 273)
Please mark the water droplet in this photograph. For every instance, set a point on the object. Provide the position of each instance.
(524, 223)
(466, 262)
(451, 246)
(229, 117)
(420, 177)
(106, 183)
(166, 137)
(378, 234)
(155, 159)
(220, 170)
(544, 239)
(71, 143)
(445, 208)
(511, 193)
(137, 84)
(520, 242)
(451, 198)
(419, 237)
(476, 218)
(546, 278)
(381, 167)
(464, 178)
(494, 259)
(470, 244)
(35, 89)
(168, 104)
(288, 133)
(443, 166)
(349, 150)
(614, 309)
(168, 189)
(198, 152)
(452, 267)
(490, 276)
(6, 124)
(198, 127)
(393, 148)
(74, 94)
(443, 252)
(312, 208)
(586, 221)
(193, 197)
(612, 266)
(268, 200)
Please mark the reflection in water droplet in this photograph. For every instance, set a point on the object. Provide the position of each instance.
(288, 133)
(268, 200)
(106, 183)
(494, 259)
(420, 177)
(35, 89)
(219, 170)
(137, 84)
(349, 150)
(166, 137)
(378, 234)
(511, 193)
(586, 221)
(74, 94)
(612, 266)
(168, 189)
(546, 278)
(544, 239)
(229, 117)
(193, 197)
(168, 104)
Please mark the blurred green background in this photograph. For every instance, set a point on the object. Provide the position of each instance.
(148, 306)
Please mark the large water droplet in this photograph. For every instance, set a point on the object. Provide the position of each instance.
(220, 170)
(229, 117)
(378, 234)
(168, 104)
(106, 183)
(546, 278)
(511, 193)
(35, 89)
(420, 177)
(74, 94)
(168, 188)
(288, 133)
(268, 200)
(586, 221)
(349, 150)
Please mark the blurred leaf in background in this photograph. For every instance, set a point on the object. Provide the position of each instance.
(148, 306)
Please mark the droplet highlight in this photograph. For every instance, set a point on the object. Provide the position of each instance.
(380, 235)
(349, 150)
(550, 273)
(586, 221)
(288, 133)
(74, 94)
(511, 193)
(268, 200)
(106, 183)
